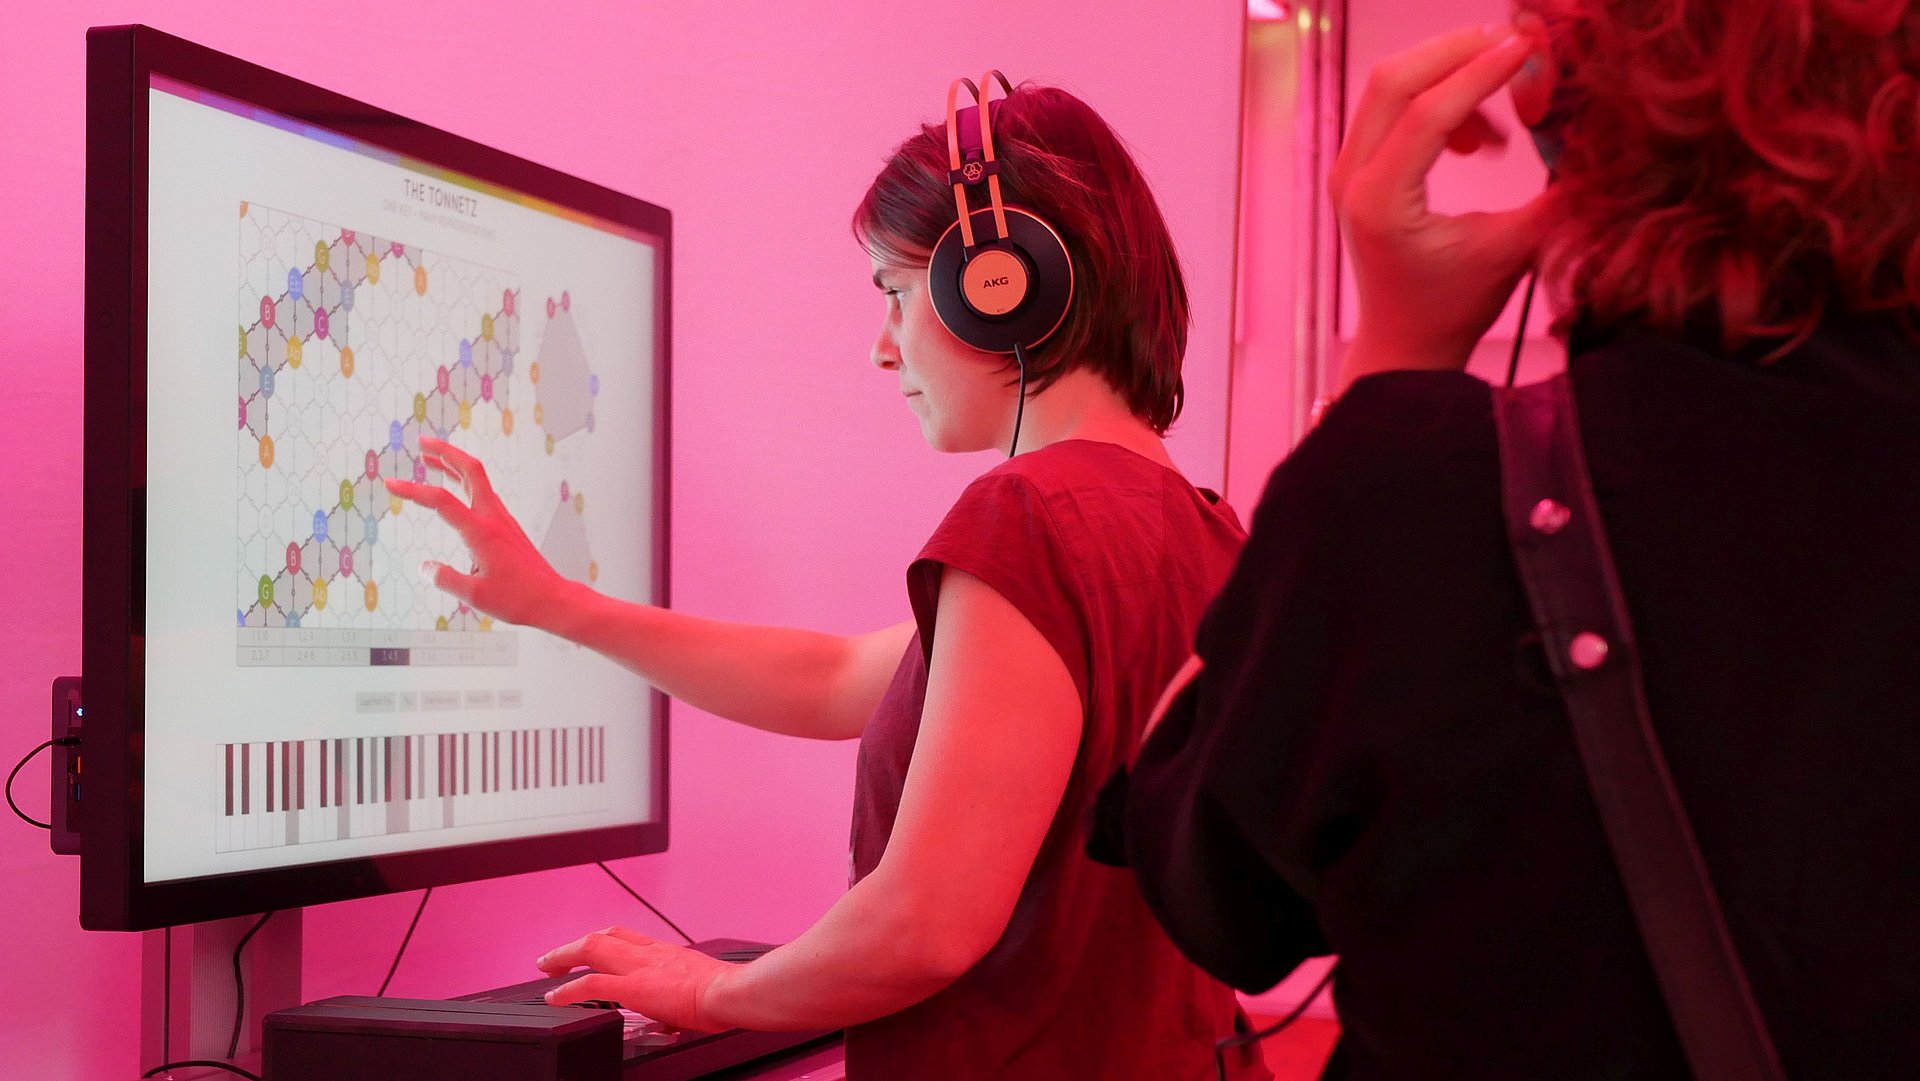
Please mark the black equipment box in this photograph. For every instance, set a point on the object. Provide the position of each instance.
(405, 1039)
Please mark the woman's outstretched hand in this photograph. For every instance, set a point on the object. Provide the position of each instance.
(665, 982)
(510, 579)
(1429, 284)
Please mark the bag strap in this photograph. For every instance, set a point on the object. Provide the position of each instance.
(1560, 544)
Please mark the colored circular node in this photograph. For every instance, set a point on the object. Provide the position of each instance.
(549, 444)
(266, 311)
(319, 525)
(419, 407)
(506, 301)
(593, 570)
(293, 621)
(466, 353)
(293, 558)
(420, 280)
(566, 301)
(346, 562)
(396, 436)
(321, 256)
(373, 596)
(346, 361)
(346, 297)
(506, 422)
(565, 494)
(296, 352)
(266, 451)
(346, 236)
(593, 385)
(266, 382)
(320, 594)
(373, 465)
(319, 322)
(580, 502)
(589, 423)
(346, 494)
(539, 413)
(506, 363)
(243, 341)
(466, 414)
(550, 307)
(486, 388)
(243, 208)
(394, 504)
(440, 623)
(533, 373)
(397, 248)
(442, 380)
(266, 592)
(373, 530)
(486, 327)
(486, 623)
(240, 618)
(373, 268)
(419, 471)
(243, 413)
(296, 284)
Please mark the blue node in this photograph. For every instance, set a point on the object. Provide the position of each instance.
(319, 525)
(240, 617)
(266, 382)
(466, 353)
(373, 530)
(506, 363)
(346, 297)
(593, 386)
(396, 436)
(295, 284)
(293, 621)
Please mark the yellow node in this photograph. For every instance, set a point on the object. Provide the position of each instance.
(243, 341)
(486, 327)
(539, 413)
(466, 414)
(420, 280)
(321, 256)
(580, 502)
(373, 268)
(320, 594)
(486, 623)
(420, 407)
(346, 361)
(295, 350)
(549, 444)
(373, 596)
(440, 624)
(266, 451)
(394, 503)
(506, 422)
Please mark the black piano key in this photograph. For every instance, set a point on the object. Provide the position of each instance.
(229, 748)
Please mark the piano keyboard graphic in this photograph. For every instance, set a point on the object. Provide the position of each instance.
(293, 792)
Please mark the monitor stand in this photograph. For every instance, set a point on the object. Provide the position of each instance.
(187, 995)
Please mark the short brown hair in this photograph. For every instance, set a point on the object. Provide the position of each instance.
(1737, 170)
(1061, 161)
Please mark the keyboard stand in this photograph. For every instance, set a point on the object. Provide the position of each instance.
(736, 1054)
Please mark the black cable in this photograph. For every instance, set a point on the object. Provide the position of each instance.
(1020, 411)
(69, 741)
(204, 1062)
(240, 987)
(402, 951)
(1221, 1047)
(1520, 332)
(644, 901)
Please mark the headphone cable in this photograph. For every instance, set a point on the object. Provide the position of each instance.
(1020, 411)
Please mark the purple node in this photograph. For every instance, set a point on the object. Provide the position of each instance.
(593, 386)
(486, 392)
(266, 311)
(346, 562)
(506, 363)
(589, 423)
(346, 296)
(240, 617)
(293, 558)
(295, 284)
(466, 353)
(419, 471)
(319, 525)
(396, 436)
(320, 322)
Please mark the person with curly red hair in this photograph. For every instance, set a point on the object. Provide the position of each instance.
(1373, 755)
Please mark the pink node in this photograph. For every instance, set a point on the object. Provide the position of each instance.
(373, 465)
(506, 302)
(293, 559)
(397, 248)
(443, 380)
(320, 322)
(550, 307)
(419, 471)
(566, 301)
(266, 311)
(346, 236)
(564, 492)
(243, 412)
(486, 391)
(346, 561)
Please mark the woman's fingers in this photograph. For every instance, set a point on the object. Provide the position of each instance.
(448, 458)
(1392, 87)
(441, 502)
(598, 950)
(1420, 134)
(461, 587)
(591, 987)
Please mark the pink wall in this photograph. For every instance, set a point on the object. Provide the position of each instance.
(802, 484)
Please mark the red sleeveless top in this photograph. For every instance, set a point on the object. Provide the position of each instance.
(1113, 558)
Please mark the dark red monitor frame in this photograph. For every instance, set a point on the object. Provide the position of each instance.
(121, 63)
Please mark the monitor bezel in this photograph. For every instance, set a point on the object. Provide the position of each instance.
(122, 62)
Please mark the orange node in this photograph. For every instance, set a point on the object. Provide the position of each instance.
(533, 371)
(346, 361)
(420, 280)
(266, 451)
(373, 596)
(506, 422)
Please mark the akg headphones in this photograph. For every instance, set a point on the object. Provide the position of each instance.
(1000, 278)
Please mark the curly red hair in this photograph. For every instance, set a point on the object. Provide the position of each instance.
(1737, 170)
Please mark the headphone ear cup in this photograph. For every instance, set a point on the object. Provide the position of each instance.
(992, 315)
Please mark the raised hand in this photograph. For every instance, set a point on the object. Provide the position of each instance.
(1430, 284)
(665, 982)
(510, 579)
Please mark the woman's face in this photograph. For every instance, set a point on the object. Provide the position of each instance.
(961, 395)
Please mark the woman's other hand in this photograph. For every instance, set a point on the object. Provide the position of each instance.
(665, 982)
(1429, 284)
(510, 579)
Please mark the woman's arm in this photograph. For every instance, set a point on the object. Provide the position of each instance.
(996, 747)
(800, 683)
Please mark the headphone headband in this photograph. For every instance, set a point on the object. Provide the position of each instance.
(966, 170)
